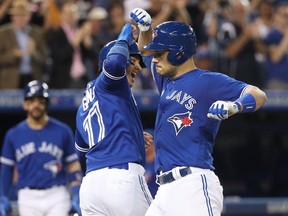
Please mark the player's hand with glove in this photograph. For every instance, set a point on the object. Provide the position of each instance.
(126, 34)
(221, 110)
(75, 208)
(142, 18)
(5, 206)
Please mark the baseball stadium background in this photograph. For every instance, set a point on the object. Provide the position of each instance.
(250, 154)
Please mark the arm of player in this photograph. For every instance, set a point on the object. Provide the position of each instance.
(75, 179)
(149, 141)
(6, 182)
(118, 59)
(144, 22)
(251, 100)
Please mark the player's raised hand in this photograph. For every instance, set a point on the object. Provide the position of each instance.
(221, 110)
(126, 34)
(142, 18)
(5, 206)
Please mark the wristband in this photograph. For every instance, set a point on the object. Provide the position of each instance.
(247, 102)
(75, 190)
(75, 176)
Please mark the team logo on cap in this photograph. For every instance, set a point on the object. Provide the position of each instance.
(155, 34)
(180, 120)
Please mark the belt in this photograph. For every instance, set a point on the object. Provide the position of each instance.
(120, 166)
(41, 188)
(37, 188)
(173, 175)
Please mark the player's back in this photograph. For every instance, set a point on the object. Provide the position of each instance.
(110, 126)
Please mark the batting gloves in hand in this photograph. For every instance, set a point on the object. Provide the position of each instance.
(221, 110)
(5, 206)
(142, 18)
(126, 34)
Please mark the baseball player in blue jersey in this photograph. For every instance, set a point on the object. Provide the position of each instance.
(192, 104)
(109, 136)
(42, 150)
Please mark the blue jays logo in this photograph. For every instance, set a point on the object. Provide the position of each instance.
(181, 120)
(54, 167)
(155, 34)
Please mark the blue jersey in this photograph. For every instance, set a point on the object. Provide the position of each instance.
(183, 134)
(109, 129)
(40, 156)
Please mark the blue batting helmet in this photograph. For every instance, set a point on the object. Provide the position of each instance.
(177, 37)
(133, 50)
(36, 89)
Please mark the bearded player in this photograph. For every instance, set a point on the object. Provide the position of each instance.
(41, 149)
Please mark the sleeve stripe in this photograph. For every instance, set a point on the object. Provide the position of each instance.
(244, 90)
(7, 161)
(80, 148)
(71, 158)
(113, 77)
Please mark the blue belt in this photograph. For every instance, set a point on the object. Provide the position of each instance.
(168, 177)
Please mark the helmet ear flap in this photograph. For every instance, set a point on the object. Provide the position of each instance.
(177, 58)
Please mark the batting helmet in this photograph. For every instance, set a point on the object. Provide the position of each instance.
(133, 50)
(177, 37)
(36, 88)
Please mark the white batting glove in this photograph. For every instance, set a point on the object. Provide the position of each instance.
(142, 18)
(221, 110)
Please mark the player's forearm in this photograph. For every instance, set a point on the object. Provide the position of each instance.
(145, 37)
(6, 179)
(259, 95)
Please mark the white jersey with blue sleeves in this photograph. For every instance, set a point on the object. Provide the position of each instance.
(184, 135)
(41, 155)
(109, 130)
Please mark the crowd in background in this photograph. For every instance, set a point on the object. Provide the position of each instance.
(58, 41)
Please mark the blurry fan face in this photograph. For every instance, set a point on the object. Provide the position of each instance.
(70, 14)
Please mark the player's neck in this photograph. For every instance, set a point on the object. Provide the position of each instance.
(185, 68)
(37, 124)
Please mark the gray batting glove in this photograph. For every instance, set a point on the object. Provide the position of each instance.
(221, 110)
(142, 18)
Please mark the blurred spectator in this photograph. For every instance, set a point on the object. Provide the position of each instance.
(263, 16)
(22, 49)
(52, 16)
(65, 45)
(277, 43)
(115, 22)
(172, 10)
(38, 10)
(95, 20)
(237, 43)
(198, 13)
(4, 7)
(129, 5)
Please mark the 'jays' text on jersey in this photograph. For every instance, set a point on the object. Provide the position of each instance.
(41, 155)
(109, 130)
(184, 135)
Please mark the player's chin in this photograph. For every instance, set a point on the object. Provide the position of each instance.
(37, 114)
